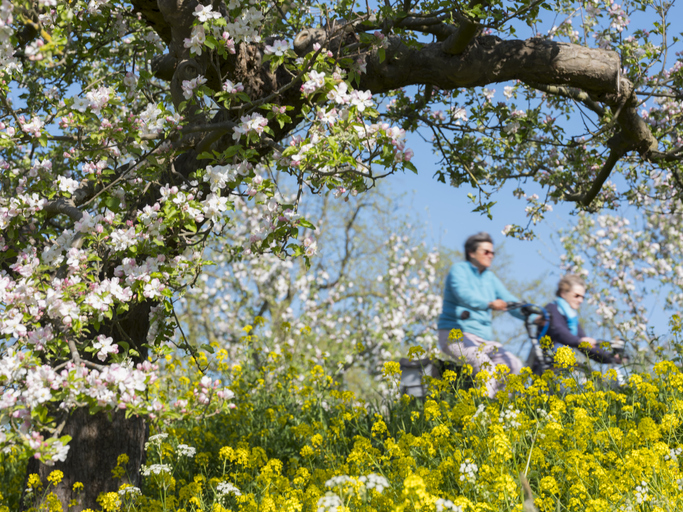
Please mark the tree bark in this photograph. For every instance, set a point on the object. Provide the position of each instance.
(97, 442)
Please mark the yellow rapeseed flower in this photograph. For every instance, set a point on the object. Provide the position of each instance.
(53, 503)
(55, 477)
(34, 481)
(565, 357)
(391, 369)
(415, 352)
(110, 501)
(307, 451)
(455, 335)
(432, 410)
(549, 485)
(546, 342)
(379, 427)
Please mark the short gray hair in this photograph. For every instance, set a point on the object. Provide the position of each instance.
(568, 282)
(472, 243)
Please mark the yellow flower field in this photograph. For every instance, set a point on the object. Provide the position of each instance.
(296, 441)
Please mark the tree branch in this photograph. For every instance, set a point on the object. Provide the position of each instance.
(572, 93)
(674, 155)
(456, 43)
(586, 199)
(434, 26)
(492, 60)
(75, 356)
(65, 206)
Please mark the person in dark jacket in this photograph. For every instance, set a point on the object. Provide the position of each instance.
(565, 328)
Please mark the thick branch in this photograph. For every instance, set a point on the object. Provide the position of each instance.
(489, 60)
(65, 206)
(434, 26)
(674, 155)
(594, 73)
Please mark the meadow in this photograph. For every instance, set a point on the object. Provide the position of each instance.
(294, 440)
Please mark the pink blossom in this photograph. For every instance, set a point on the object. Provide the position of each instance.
(205, 13)
(196, 40)
(278, 48)
(311, 246)
(189, 86)
(99, 98)
(105, 346)
(361, 99)
(231, 88)
(33, 128)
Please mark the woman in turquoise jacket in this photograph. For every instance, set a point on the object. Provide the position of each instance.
(471, 293)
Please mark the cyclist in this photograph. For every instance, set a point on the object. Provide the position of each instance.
(565, 328)
(471, 293)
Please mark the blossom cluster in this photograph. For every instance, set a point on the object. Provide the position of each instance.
(30, 385)
(8, 62)
(358, 330)
(625, 260)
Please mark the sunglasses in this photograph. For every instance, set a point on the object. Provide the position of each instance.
(579, 296)
(488, 253)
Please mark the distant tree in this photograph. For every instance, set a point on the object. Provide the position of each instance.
(632, 262)
(372, 291)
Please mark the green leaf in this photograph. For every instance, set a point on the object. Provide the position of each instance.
(409, 165)
(190, 225)
(208, 348)
(231, 151)
(112, 202)
(306, 224)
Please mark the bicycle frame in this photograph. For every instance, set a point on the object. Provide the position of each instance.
(539, 359)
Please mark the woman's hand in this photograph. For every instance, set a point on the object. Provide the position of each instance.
(498, 305)
(592, 341)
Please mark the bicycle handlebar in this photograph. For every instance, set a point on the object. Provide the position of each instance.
(527, 310)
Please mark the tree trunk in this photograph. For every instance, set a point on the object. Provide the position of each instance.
(97, 442)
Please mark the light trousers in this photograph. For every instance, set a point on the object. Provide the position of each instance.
(481, 354)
